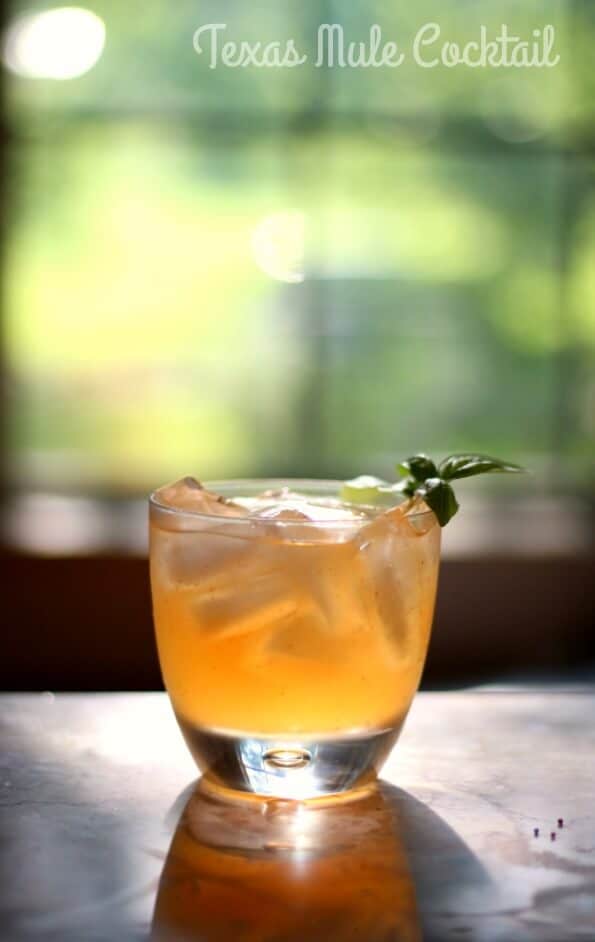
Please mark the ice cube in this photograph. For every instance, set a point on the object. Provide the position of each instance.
(329, 606)
(286, 510)
(189, 494)
(188, 558)
(419, 516)
(383, 547)
(271, 591)
(304, 633)
(300, 520)
(185, 549)
(287, 520)
(245, 599)
(401, 563)
(280, 493)
(266, 590)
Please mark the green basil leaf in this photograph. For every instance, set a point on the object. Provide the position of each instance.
(420, 476)
(420, 467)
(440, 497)
(465, 466)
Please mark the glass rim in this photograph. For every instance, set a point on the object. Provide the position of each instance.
(332, 486)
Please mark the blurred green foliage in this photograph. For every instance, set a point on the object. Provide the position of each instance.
(448, 298)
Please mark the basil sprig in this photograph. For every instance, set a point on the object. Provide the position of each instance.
(421, 477)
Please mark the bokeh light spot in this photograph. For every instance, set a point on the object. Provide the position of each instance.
(63, 43)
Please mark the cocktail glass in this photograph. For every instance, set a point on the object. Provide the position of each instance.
(291, 647)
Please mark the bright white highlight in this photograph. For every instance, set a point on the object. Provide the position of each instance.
(63, 43)
(278, 246)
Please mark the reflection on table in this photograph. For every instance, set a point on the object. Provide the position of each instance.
(289, 872)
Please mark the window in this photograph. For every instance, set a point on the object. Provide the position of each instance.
(308, 271)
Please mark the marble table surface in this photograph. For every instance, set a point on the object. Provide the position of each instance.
(105, 836)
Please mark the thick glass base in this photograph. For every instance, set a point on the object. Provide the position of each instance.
(297, 768)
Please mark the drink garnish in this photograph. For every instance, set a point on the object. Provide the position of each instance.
(424, 480)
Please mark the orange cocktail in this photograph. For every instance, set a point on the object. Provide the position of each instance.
(290, 620)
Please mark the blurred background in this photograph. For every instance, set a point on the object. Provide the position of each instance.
(311, 271)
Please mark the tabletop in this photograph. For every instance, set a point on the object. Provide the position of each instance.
(483, 828)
